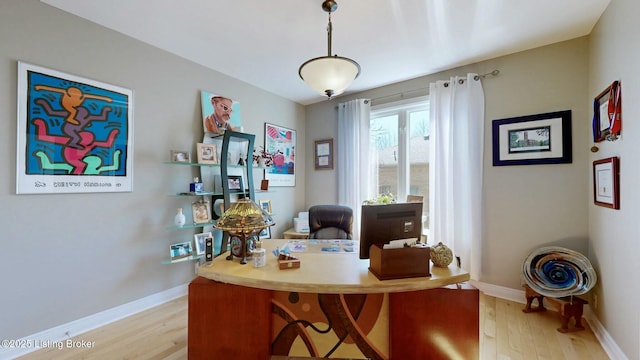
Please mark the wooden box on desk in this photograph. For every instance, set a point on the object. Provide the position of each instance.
(407, 262)
(288, 262)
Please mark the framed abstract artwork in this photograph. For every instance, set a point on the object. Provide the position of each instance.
(281, 143)
(533, 139)
(75, 135)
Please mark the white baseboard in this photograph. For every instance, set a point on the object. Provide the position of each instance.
(610, 347)
(80, 326)
(501, 292)
(63, 332)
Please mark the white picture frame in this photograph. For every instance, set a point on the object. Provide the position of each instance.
(265, 233)
(207, 153)
(180, 156)
(59, 153)
(200, 241)
(180, 251)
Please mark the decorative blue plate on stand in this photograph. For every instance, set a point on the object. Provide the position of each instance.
(555, 271)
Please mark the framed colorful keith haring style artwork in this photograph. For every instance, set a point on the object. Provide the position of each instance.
(75, 135)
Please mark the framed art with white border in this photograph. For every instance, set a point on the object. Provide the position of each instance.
(266, 205)
(281, 142)
(606, 182)
(75, 135)
(265, 233)
(207, 153)
(180, 251)
(533, 139)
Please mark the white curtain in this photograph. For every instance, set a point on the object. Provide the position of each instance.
(455, 168)
(353, 156)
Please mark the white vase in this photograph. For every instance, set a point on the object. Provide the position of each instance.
(179, 220)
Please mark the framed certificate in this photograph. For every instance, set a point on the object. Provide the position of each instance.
(323, 151)
(606, 182)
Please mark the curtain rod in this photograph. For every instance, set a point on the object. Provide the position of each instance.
(493, 73)
(402, 94)
(425, 90)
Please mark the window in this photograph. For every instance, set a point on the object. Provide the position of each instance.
(400, 151)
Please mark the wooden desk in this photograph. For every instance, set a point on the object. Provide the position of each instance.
(293, 234)
(419, 315)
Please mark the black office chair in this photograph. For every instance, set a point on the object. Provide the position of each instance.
(330, 222)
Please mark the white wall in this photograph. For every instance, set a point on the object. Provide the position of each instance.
(614, 55)
(69, 256)
(526, 206)
(531, 206)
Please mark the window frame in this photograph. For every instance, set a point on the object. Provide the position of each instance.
(402, 109)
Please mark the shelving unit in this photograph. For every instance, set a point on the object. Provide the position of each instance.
(231, 142)
(188, 258)
(189, 223)
(234, 137)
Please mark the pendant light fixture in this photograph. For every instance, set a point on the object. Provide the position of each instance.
(329, 75)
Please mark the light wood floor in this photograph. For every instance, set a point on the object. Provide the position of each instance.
(506, 333)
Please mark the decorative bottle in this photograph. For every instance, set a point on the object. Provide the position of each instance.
(179, 219)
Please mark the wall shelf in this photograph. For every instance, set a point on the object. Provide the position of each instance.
(190, 226)
(241, 142)
(186, 258)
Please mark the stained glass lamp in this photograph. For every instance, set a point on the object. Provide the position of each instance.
(244, 220)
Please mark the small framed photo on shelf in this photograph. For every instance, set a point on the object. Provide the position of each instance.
(201, 211)
(201, 242)
(234, 182)
(180, 156)
(265, 233)
(180, 250)
(606, 182)
(266, 205)
(207, 153)
(323, 151)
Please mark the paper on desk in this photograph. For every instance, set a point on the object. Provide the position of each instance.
(400, 243)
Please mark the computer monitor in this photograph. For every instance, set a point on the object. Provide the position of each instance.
(382, 223)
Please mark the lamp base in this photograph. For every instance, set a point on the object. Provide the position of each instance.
(241, 246)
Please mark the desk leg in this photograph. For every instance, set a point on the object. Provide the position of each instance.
(228, 321)
(441, 323)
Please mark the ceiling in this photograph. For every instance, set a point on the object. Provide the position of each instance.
(263, 43)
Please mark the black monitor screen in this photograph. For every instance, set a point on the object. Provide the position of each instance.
(385, 222)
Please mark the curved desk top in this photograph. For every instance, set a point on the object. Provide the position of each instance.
(339, 273)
